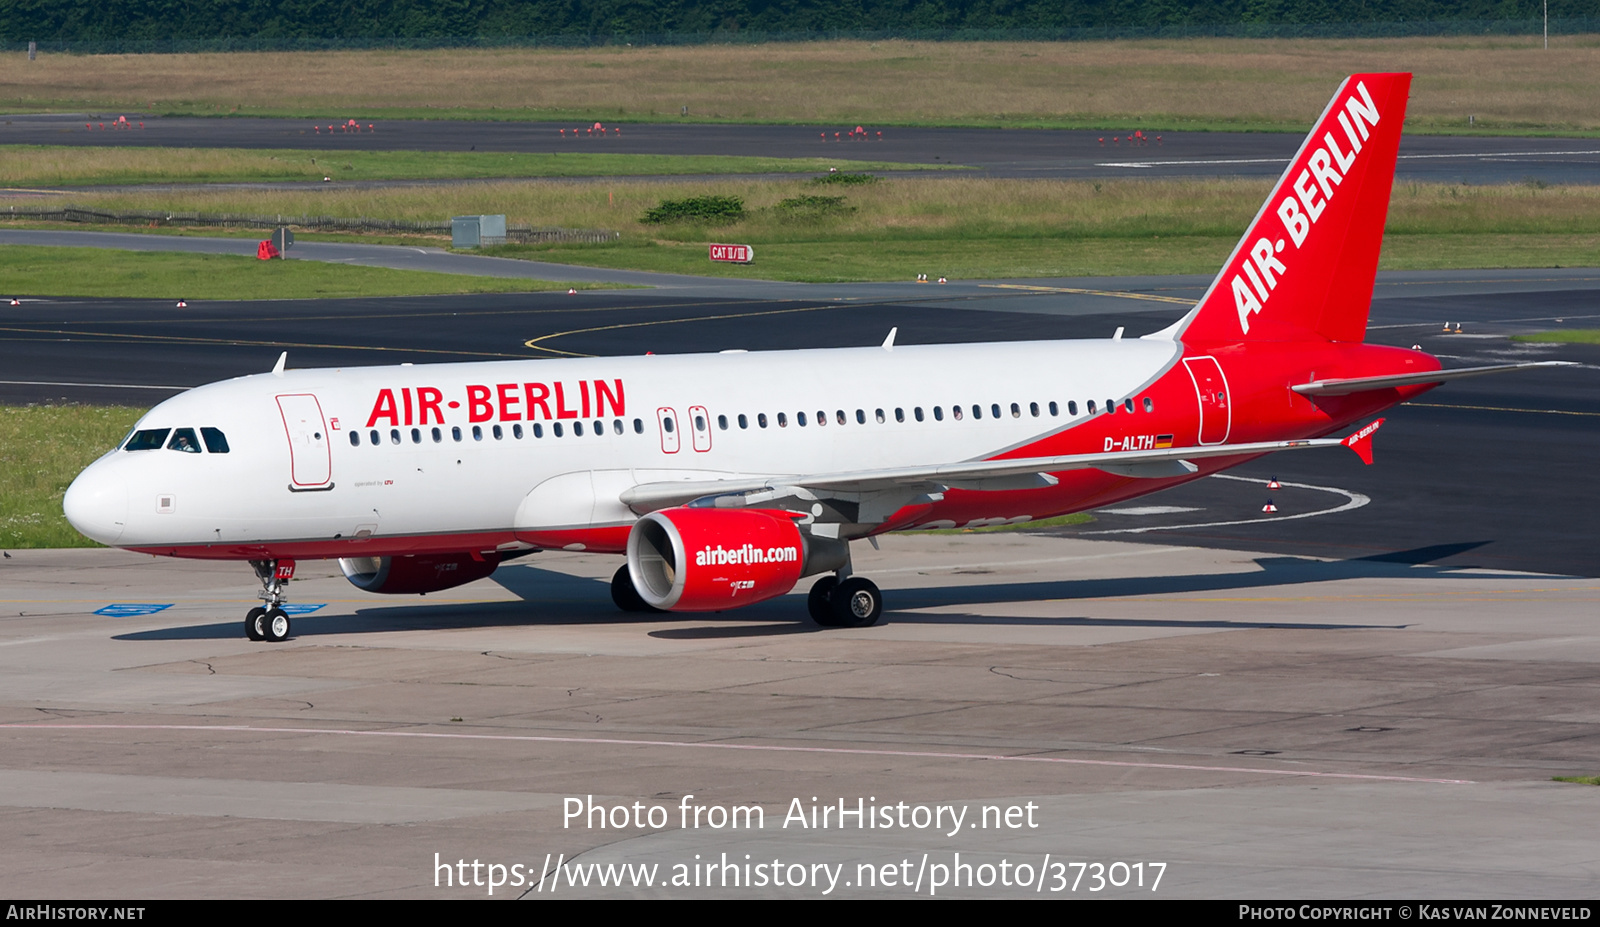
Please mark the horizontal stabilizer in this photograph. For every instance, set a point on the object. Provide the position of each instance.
(1365, 384)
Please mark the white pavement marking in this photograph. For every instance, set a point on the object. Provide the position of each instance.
(1353, 500)
(774, 748)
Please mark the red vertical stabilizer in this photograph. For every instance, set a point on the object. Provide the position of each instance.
(1304, 270)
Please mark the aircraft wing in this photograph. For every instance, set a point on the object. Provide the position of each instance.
(1016, 473)
(1363, 384)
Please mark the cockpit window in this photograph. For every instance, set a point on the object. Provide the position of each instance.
(149, 439)
(183, 439)
(216, 441)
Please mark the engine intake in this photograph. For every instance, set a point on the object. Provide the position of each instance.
(708, 559)
(416, 574)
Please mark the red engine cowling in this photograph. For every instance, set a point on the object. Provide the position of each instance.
(414, 574)
(708, 559)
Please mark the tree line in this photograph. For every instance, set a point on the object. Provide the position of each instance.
(58, 21)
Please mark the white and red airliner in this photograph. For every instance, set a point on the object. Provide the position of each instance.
(725, 478)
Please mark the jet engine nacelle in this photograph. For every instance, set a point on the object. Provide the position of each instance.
(415, 574)
(711, 559)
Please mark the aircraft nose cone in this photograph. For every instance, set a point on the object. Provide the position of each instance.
(97, 505)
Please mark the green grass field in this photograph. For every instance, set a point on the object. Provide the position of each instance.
(41, 271)
(40, 165)
(42, 448)
(957, 227)
(1506, 84)
(1569, 336)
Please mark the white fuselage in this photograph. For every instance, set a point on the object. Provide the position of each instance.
(447, 460)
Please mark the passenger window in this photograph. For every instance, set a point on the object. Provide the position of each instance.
(1072, 407)
(538, 430)
(455, 432)
(917, 412)
(994, 410)
(743, 422)
(879, 415)
(394, 435)
(217, 442)
(822, 418)
(861, 417)
(666, 423)
(938, 413)
(438, 435)
(800, 419)
(416, 436)
(616, 426)
(783, 420)
(1033, 407)
(977, 411)
(1054, 409)
(372, 436)
(1149, 404)
(1127, 404)
(761, 419)
(699, 423)
(577, 430)
(355, 439)
(722, 422)
(955, 413)
(498, 433)
(638, 426)
(839, 416)
(516, 431)
(1111, 406)
(150, 439)
(555, 428)
(899, 415)
(1090, 406)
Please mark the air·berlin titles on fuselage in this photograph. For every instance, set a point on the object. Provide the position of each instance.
(1326, 169)
(504, 402)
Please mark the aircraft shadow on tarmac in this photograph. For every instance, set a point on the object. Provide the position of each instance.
(551, 598)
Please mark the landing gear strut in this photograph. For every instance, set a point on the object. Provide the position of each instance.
(855, 602)
(272, 622)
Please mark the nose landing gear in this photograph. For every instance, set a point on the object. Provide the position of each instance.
(272, 622)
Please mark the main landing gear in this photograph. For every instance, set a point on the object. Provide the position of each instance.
(270, 623)
(854, 602)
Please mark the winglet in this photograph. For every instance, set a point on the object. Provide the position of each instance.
(277, 369)
(1361, 442)
(888, 343)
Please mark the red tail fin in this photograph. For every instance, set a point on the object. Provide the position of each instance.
(1304, 270)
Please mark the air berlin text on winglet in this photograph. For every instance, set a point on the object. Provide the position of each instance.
(1325, 169)
(505, 402)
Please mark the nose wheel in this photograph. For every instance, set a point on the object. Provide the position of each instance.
(270, 622)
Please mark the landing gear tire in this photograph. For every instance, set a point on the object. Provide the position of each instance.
(275, 626)
(254, 626)
(625, 595)
(819, 599)
(856, 603)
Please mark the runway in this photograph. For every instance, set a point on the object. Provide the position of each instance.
(1489, 472)
(1060, 154)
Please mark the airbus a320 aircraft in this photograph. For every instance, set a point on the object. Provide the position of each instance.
(726, 478)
